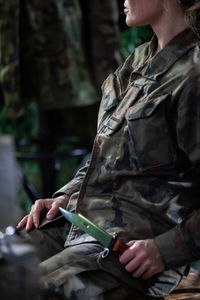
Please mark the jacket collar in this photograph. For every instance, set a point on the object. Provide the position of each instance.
(162, 61)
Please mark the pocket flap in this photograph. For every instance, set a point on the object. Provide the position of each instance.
(145, 109)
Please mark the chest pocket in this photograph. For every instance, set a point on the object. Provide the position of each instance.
(149, 135)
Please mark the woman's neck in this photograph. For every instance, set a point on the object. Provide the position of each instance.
(169, 25)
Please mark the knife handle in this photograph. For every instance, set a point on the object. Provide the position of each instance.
(119, 246)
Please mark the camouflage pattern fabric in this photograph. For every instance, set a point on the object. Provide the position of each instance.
(52, 53)
(76, 272)
(43, 57)
(9, 59)
(102, 37)
(143, 177)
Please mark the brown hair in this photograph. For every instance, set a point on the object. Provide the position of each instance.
(192, 14)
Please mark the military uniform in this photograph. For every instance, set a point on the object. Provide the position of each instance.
(9, 59)
(43, 56)
(102, 31)
(143, 177)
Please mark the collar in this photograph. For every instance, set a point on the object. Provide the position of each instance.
(165, 58)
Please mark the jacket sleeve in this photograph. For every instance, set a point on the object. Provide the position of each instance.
(181, 245)
(74, 185)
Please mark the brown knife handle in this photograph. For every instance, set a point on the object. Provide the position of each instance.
(119, 246)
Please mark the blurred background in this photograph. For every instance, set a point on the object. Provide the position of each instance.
(54, 56)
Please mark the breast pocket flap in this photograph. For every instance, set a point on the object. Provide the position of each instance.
(145, 108)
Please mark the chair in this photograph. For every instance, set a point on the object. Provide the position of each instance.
(188, 289)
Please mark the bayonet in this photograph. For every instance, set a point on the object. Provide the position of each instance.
(110, 242)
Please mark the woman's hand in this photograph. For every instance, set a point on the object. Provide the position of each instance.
(50, 205)
(142, 259)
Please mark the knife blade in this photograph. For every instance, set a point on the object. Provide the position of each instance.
(110, 242)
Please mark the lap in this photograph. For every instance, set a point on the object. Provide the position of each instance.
(74, 273)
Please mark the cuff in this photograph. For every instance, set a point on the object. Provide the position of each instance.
(173, 248)
(68, 189)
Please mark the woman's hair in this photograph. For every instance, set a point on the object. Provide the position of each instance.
(192, 14)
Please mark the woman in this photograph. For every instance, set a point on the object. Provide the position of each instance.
(143, 177)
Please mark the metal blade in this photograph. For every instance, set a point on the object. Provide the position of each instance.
(87, 226)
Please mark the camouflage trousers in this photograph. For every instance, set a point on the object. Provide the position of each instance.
(75, 272)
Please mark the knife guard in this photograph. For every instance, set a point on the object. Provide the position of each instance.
(116, 245)
(120, 246)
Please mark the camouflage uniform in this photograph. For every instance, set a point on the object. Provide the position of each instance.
(53, 59)
(101, 37)
(143, 177)
(43, 55)
(9, 59)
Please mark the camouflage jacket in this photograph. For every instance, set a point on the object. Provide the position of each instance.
(103, 51)
(52, 57)
(9, 59)
(43, 57)
(143, 177)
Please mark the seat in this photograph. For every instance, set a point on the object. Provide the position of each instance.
(188, 289)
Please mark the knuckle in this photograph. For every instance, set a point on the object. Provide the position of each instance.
(29, 216)
(34, 208)
(139, 246)
(143, 256)
(56, 205)
(55, 202)
(148, 263)
(37, 205)
(24, 218)
(37, 202)
(58, 201)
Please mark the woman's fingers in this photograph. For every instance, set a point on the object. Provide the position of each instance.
(142, 259)
(36, 210)
(55, 208)
(33, 218)
(142, 269)
(30, 223)
(149, 273)
(40, 206)
(128, 255)
(22, 223)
